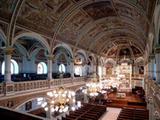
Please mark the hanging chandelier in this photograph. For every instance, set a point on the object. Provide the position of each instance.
(93, 88)
(60, 100)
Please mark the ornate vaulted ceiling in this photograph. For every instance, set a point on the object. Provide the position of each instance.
(93, 25)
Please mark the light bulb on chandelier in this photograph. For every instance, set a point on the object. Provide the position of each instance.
(93, 88)
(60, 100)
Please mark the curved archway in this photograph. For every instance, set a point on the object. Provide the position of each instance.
(92, 56)
(16, 107)
(80, 63)
(82, 52)
(66, 47)
(62, 55)
(110, 60)
(33, 35)
(140, 59)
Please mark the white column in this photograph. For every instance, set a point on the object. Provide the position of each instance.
(85, 100)
(151, 66)
(157, 56)
(7, 57)
(149, 69)
(150, 108)
(50, 67)
(72, 68)
(49, 113)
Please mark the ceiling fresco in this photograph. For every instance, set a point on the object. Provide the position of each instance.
(100, 9)
(93, 25)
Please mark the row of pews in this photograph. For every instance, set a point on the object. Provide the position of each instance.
(87, 112)
(133, 114)
(39, 112)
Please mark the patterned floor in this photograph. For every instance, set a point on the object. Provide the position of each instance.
(111, 114)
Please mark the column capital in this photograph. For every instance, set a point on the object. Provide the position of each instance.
(8, 50)
(50, 57)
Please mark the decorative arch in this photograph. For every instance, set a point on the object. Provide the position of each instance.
(139, 60)
(80, 63)
(23, 51)
(33, 35)
(83, 53)
(93, 58)
(111, 61)
(66, 47)
(61, 54)
(16, 107)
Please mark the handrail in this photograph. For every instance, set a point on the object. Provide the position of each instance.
(15, 87)
(137, 75)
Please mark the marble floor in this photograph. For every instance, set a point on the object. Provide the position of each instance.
(111, 114)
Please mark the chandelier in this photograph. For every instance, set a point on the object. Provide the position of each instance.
(93, 88)
(60, 100)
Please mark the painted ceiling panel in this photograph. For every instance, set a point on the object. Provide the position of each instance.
(94, 25)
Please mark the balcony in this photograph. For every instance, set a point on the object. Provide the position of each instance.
(16, 88)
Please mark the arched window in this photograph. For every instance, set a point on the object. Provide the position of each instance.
(62, 68)
(41, 68)
(78, 70)
(14, 67)
(100, 70)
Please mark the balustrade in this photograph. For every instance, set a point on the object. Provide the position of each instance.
(18, 87)
(139, 76)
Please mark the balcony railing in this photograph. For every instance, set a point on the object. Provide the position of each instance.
(137, 76)
(19, 87)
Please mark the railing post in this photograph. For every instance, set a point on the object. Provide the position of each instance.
(8, 88)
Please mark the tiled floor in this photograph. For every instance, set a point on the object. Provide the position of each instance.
(111, 114)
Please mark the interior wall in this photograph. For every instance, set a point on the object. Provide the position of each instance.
(28, 66)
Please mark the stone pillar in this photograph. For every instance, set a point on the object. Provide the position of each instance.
(149, 69)
(152, 58)
(157, 56)
(7, 58)
(50, 58)
(146, 77)
(72, 69)
(150, 107)
(49, 113)
(85, 100)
